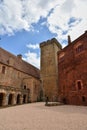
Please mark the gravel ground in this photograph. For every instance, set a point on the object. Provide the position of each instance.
(37, 116)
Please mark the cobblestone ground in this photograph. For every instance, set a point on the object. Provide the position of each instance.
(37, 116)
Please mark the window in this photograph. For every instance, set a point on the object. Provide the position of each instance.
(83, 98)
(79, 48)
(3, 69)
(79, 85)
(25, 87)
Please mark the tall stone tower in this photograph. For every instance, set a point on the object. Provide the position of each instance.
(49, 68)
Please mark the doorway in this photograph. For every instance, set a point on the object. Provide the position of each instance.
(18, 98)
(10, 99)
(24, 98)
(1, 99)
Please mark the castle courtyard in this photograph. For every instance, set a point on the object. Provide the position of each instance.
(37, 116)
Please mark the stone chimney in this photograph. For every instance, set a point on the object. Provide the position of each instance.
(69, 39)
(19, 56)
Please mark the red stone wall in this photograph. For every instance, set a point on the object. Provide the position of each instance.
(72, 74)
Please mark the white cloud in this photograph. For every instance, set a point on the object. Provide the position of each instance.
(63, 16)
(61, 19)
(20, 14)
(33, 46)
(32, 58)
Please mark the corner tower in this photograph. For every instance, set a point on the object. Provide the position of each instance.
(49, 68)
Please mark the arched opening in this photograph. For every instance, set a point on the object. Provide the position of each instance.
(18, 98)
(1, 99)
(10, 99)
(24, 98)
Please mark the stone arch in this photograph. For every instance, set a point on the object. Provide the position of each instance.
(11, 99)
(1, 98)
(24, 98)
(18, 99)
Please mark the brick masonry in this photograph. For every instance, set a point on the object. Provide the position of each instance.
(72, 74)
(64, 71)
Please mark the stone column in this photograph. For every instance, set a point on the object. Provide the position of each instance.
(4, 102)
(21, 99)
(14, 99)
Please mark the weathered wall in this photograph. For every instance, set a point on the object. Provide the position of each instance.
(49, 68)
(72, 74)
(34, 88)
(17, 85)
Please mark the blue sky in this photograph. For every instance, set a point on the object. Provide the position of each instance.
(25, 23)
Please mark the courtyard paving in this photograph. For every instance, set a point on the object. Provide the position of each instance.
(37, 116)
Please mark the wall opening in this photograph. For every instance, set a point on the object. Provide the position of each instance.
(64, 100)
(18, 99)
(10, 99)
(25, 87)
(24, 98)
(1, 99)
(3, 69)
(79, 85)
(83, 98)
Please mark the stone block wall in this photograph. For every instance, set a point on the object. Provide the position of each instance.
(49, 68)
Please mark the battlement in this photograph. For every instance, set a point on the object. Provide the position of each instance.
(53, 40)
